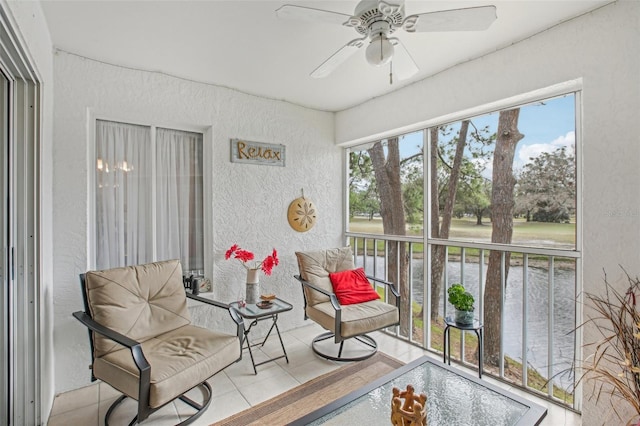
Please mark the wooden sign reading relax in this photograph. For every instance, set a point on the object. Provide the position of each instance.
(257, 153)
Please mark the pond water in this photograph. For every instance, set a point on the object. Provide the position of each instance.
(538, 312)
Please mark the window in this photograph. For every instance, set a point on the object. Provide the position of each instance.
(506, 203)
(498, 199)
(537, 176)
(383, 175)
(149, 199)
(540, 174)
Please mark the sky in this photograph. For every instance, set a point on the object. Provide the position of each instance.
(546, 127)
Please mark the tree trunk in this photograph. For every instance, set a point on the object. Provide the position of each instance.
(387, 172)
(398, 272)
(437, 252)
(502, 205)
(442, 231)
(479, 217)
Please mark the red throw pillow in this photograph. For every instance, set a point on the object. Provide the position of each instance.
(352, 286)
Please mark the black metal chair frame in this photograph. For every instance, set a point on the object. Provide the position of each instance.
(144, 384)
(337, 335)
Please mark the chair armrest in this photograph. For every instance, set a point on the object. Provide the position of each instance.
(335, 304)
(207, 301)
(105, 331)
(391, 285)
(235, 316)
(135, 347)
(332, 296)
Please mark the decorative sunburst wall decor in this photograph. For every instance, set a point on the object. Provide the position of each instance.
(302, 214)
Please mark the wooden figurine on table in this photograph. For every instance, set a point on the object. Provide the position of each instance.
(412, 412)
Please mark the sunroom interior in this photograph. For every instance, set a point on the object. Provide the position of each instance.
(116, 74)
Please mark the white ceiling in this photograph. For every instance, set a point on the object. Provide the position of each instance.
(243, 45)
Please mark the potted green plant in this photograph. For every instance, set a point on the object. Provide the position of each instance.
(463, 301)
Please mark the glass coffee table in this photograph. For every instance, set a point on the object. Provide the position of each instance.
(453, 398)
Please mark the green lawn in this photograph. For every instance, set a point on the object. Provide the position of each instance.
(525, 233)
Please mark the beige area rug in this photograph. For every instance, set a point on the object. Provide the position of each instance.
(315, 393)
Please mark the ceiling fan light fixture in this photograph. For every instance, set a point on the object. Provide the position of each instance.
(380, 50)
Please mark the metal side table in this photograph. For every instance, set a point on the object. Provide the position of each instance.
(255, 315)
(476, 327)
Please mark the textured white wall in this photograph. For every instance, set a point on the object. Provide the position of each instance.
(602, 48)
(248, 202)
(28, 20)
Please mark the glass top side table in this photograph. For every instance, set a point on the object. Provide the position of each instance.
(255, 315)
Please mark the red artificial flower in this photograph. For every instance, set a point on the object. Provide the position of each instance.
(267, 265)
(269, 262)
(245, 256)
(230, 252)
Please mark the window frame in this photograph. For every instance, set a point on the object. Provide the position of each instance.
(207, 175)
(574, 87)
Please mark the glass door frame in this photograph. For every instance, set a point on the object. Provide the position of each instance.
(21, 266)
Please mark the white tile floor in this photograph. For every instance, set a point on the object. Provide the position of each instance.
(237, 388)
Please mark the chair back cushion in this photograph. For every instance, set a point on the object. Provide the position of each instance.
(139, 301)
(315, 267)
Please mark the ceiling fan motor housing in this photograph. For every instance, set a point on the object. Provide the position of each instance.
(370, 12)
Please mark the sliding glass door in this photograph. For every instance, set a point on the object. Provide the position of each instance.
(20, 270)
(5, 254)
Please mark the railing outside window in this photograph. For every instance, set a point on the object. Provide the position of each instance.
(538, 311)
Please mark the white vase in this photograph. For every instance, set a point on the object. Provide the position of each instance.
(253, 286)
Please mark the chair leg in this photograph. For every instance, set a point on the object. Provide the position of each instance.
(113, 407)
(200, 407)
(367, 340)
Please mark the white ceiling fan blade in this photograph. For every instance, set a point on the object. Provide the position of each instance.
(402, 62)
(300, 13)
(338, 58)
(470, 19)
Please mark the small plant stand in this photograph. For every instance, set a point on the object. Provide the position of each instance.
(476, 327)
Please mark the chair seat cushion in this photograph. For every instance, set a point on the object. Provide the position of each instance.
(355, 319)
(352, 286)
(180, 359)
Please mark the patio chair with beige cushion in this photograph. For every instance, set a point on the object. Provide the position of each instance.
(142, 340)
(341, 298)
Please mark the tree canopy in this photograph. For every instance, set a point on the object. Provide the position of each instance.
(546, 189)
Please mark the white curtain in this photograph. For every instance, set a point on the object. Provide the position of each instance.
(123, 172)
(179, 197)
(128, 174)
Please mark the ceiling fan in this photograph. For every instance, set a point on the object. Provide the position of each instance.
(376, 20)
